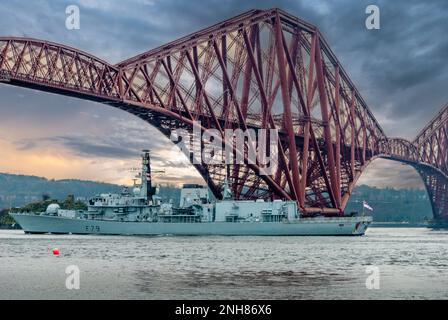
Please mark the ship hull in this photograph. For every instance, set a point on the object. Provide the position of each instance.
(342, 226)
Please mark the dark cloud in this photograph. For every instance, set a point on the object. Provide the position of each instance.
(119, 145)
(178, 179)
(26, 144)
(86, 147)
(174, 164)
(80, 145)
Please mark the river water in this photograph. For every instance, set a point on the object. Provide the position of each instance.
(403, 262)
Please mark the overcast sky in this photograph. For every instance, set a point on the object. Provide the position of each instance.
(400, 70)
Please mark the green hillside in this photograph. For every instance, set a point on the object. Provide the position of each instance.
(392, 205)
(19, 190)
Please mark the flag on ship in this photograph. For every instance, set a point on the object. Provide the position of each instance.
(366, 205)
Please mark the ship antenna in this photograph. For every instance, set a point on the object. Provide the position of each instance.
(146, 175)
(226, 192)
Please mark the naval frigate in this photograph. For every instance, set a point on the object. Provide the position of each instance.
(141, 211)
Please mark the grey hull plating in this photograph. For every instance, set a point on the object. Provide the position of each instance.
(303, 227)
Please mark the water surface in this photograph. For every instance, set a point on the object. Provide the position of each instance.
(412, 263)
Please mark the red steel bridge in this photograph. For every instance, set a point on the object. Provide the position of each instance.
(261, 69)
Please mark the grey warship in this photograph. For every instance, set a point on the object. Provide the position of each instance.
(140, 211)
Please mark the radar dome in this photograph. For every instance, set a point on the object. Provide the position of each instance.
(53, 209)
(136, 191)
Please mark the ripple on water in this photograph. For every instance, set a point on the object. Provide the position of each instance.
(412, 263)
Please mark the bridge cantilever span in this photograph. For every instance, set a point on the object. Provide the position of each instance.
(432, 145)
(428, 154)
(262, 69)
(432, 141)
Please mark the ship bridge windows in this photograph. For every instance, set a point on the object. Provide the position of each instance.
(268, 216)
(178, 218)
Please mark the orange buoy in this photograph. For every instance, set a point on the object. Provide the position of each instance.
(56, 251)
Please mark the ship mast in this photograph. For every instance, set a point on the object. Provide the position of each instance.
(147, 190)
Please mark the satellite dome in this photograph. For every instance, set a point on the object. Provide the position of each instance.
(136, 191)
(52, 209)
